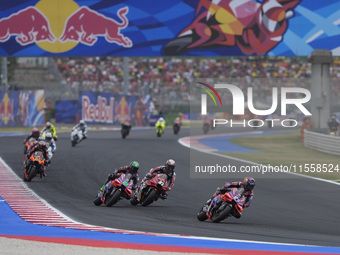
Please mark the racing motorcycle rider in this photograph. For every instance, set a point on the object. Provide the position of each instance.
(129, 169)
(39, 146)
(35, 134)
(50, 128)
(167, 169)
(83, 127)
(247, 185)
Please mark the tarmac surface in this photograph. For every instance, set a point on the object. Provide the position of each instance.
(289, 209)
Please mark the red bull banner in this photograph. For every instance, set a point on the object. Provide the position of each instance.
(168, 28)
(111, 109)
(22, 108)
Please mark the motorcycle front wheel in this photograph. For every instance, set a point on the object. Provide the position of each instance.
(150, 197)
(202, 215)
(114, 198)
(221, 213)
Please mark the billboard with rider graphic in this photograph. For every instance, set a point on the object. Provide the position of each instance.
(22, 108)
(177, 27)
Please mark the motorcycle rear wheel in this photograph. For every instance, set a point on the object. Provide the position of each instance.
(133, 201)
(150, 197)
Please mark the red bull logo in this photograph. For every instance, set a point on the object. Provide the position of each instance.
(99, 112)
(60, 25)
(34, 27)
(6, 109)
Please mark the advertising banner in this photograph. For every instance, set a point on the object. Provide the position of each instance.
(21, 108)
(168, 28)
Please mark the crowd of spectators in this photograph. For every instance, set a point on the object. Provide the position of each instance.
(170, 78)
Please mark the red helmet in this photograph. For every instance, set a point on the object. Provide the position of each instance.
(35, 133)
(170, 166)
(249, 183)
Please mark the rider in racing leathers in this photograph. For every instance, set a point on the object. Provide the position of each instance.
(83, 127)
(50, 128)
(39, 146)
(129, 169)
(247, 185)
(167, 169)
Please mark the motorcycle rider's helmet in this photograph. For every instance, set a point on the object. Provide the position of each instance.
(48, 125)
(35, 133)
(169, 166)
(42, 146)
(249, 183)
(161, 120)
(82, 123)
(48, 137)
(134, 166)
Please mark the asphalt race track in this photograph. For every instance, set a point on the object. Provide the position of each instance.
(291, 209)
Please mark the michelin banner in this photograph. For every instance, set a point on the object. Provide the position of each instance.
(22, 108)
(168, 28)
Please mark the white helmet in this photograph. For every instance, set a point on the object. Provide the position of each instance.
(161, 119)
(82, 122)
(48, 137)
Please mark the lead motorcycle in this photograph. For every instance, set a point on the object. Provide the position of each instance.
(35, 166)
(115, 190)
(218, 210)
(152, 190)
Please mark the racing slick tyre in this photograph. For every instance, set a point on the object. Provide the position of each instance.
(221, 213)
(114, 198)
(97, 201)
(149, 198)
(133, 201)
(202, 215)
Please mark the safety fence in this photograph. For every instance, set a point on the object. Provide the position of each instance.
(322, 142)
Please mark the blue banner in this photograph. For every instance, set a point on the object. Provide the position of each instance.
(66, 111)
(161, 28)
(22, 108)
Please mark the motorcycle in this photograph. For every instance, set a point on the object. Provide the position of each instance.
(218, 210)
(76, 136)
(125, 131)
(176, 127)
(152, 190)
(35, 166)
(159, 131)
(207, 124)
(115, 190)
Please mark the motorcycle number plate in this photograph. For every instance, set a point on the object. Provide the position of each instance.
(161, 183)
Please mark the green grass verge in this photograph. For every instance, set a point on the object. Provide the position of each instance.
(287, 149)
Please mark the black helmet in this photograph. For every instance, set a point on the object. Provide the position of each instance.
(35, 133)
(134, 166)
(170, 166)
(249, 183)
